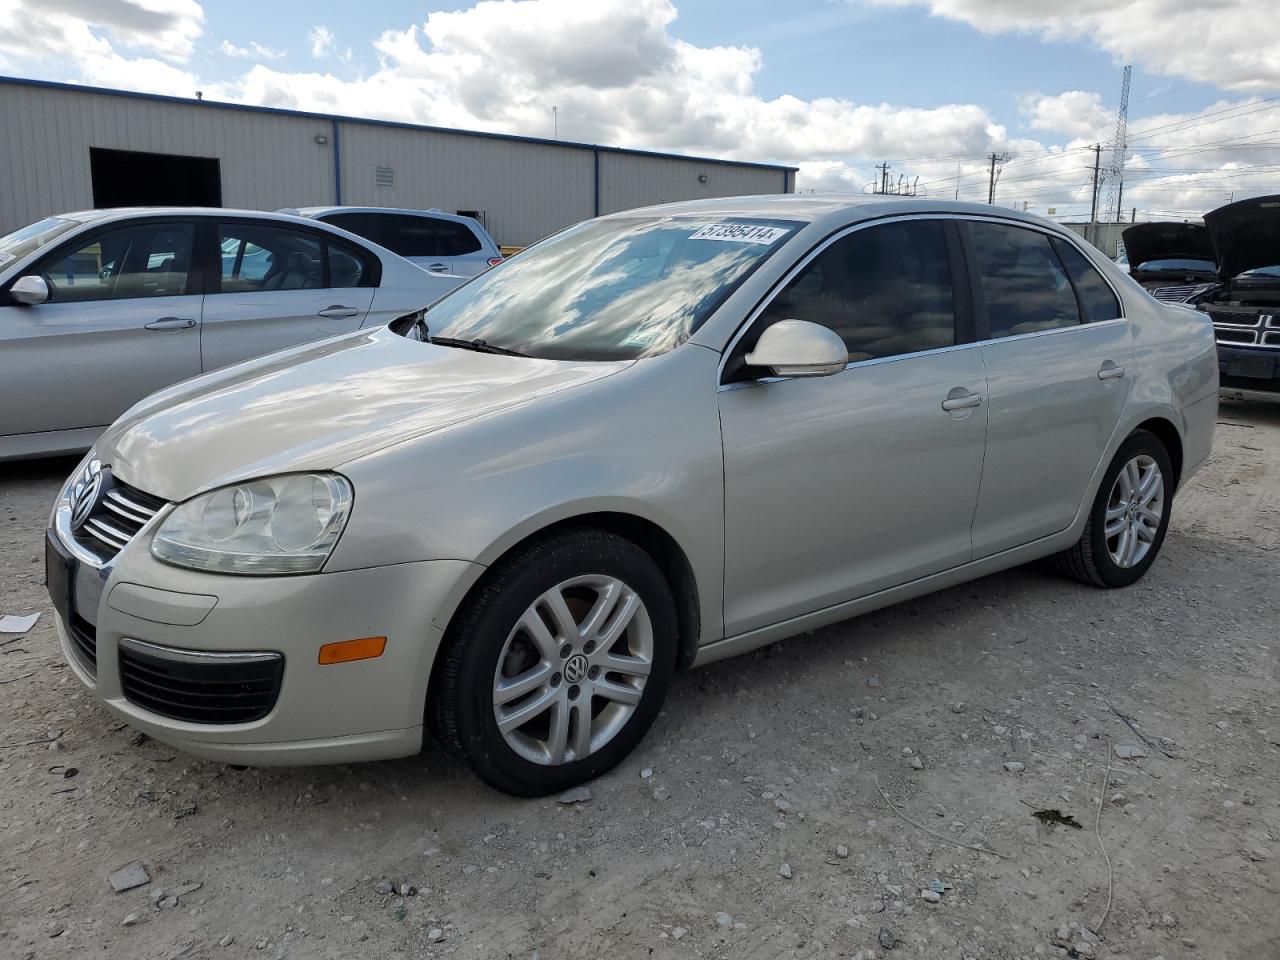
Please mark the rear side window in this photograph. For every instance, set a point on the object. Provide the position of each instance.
(367, 225)
(1023, 282)
(455, 239)
(886, 290)
(1097, 302)
(409, 236)
(348, 267)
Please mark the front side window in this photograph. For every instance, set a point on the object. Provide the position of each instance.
(886, 290)
(267, 257)
(1022, 280)
(143, 260)
(1097, 302)
(611, 289)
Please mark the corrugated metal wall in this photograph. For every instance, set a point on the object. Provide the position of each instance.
(267, 160)
(526, 189)
(633, 180)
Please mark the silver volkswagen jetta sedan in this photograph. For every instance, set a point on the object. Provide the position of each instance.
(651, 441)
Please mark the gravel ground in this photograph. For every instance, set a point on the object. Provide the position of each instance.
(755, 820)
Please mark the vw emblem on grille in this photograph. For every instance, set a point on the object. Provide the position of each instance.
(85, 495)
(576, 669)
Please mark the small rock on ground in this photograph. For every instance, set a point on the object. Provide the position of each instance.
(576, 795)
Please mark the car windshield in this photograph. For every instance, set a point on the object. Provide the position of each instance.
(1175, 265)
(20, 243)
(1261, 273)
(615, 289)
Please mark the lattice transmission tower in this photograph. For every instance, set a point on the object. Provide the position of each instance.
(1120, 149)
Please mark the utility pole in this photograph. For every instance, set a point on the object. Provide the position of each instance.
(957, 179)
(1097, 163)
(882, 181)
(555, 123)
(1120, 202)
(991, 179)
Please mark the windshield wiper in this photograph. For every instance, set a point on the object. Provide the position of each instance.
(478, 345)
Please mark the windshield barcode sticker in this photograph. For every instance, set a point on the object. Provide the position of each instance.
(739, 233)
(6, 257)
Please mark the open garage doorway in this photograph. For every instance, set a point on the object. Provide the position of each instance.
(129, 178)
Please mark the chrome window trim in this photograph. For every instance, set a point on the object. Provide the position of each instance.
(843, 232)
(197, 656)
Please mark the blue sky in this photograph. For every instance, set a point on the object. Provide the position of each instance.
(832, 86)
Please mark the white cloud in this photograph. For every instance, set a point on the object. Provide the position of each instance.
(1222, 42)
(1076, 113)
(252, 51)
(83, 35)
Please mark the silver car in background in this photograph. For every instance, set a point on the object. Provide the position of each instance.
(102, 307)
(652, 441)
(438, 242)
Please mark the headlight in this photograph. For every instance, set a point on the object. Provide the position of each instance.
(278, 525)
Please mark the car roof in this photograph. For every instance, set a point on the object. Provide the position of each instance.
(836, 207)
(407, 211)
(126, 213)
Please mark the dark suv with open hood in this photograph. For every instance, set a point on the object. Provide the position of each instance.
(1170, 259)
(1244, 302)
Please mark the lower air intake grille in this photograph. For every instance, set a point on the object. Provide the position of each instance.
(84, 642)
(200, 687)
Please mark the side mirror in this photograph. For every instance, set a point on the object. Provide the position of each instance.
(798, 348)
(30, 289)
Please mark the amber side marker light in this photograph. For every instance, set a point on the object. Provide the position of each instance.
(366, 648)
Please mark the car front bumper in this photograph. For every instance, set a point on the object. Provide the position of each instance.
(1249, 373)
(362, 710)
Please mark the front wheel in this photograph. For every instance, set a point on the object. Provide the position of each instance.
(1129, 517)
(558, 664)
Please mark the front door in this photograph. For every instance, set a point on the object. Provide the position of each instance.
(122, 320)
(841, 486)
(281, 286)
(1059, 362)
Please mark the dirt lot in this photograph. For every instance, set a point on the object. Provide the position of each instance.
(769, 760)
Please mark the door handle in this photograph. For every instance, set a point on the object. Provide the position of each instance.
(966, 402)
(171, 323)
(1110, 371)
(439, 268)
(337, 310)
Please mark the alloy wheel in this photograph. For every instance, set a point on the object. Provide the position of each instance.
(573, 669)
(1135, 509)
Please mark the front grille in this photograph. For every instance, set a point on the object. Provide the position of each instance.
(200, 687)
(1228, 335)
(84, 642)
(121, 511)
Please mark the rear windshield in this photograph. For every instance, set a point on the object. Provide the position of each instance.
(615, 289)
(29, 239)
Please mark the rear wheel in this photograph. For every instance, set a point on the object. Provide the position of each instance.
(558, 664)
(1129, 517)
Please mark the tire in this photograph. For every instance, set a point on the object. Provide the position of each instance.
(512, 635)
(1093, 559)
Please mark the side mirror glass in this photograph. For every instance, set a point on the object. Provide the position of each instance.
(798, 348)
(30, 289)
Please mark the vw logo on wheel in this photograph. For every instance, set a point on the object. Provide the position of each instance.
(85, 496)
(576, 669)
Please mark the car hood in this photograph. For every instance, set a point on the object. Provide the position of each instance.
(1145, 242)
(1246, 235)
(317, 407)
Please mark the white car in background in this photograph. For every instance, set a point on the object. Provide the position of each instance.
(438, 242)
(100, 308)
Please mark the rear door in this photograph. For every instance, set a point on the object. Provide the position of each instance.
(278, 285)
(122, 320)
(1058, 356)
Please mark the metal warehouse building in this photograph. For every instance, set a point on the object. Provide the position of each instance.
(71, 147)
